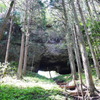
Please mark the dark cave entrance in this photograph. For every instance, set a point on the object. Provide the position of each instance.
(59, 67)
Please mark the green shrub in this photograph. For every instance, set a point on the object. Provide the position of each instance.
(8, 68)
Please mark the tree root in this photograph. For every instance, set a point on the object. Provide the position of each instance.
(78, 95)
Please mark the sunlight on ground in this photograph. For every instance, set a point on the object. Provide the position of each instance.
(27, 82)
(31, 87)
(47, 74)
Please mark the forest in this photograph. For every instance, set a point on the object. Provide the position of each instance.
(59, 39)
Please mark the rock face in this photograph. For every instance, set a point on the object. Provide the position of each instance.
(55, 58)
(49, 56)
(45, 53)
(42, 56)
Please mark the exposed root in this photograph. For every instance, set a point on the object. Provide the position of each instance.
(77, 94)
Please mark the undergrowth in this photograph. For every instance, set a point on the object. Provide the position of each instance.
(31, 87)
(8, 92)
(36, 87)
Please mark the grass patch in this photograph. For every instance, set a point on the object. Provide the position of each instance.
(65, 78)
(36, 87)
(36, 77)
(8, 92)
(31, 87)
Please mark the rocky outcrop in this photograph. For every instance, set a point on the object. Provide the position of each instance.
(49, 56)
(45, 52)
(55, 58)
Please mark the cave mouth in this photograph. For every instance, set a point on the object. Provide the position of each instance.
(59, 67)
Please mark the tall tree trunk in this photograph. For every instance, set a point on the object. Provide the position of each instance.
(27, 20)
(8, 43)
(71, 59)
(87, 69)
(6, 19)
(69, 44)
(71, 55)
(19, 72)
(77, 51)
(78, 58)
(93, 23)
(26, 53)
(95, 61)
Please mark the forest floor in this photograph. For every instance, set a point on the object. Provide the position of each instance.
(36, 87)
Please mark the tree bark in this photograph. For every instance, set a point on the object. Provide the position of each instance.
(19, 72)
(92, 19)
(27, 35)
(25, 54)
(8, 43)
(71, 59)
(78, 58)
(89, 80)
(76, 49)
(96, 64)
(70, 51)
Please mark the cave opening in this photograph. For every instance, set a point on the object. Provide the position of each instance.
(59, 67)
